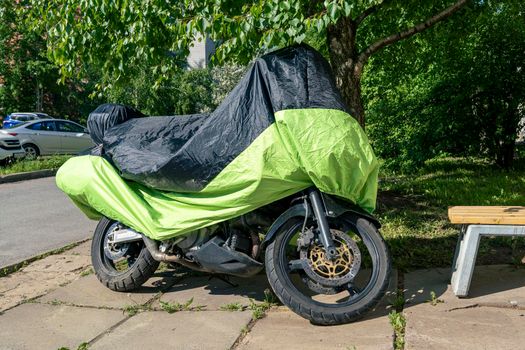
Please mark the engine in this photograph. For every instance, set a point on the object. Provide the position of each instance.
(226, 248)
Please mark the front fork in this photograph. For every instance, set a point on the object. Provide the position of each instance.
(320, 215)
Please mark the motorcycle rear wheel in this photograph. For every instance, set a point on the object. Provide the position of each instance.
(315, 301)
(128, 272)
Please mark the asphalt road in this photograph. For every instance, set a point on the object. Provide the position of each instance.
(35, 217)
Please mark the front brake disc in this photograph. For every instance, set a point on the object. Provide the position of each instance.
(328, 273)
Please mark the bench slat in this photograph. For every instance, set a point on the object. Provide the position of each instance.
(492, 215)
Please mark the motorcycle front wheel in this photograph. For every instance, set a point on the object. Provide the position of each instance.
(120, 267)
(329, 292)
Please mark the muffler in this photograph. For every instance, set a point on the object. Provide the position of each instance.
(125, 235)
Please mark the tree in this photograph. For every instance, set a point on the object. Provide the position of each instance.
(115, 34)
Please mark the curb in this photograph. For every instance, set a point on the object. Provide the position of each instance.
(30, 175)
(9, 269)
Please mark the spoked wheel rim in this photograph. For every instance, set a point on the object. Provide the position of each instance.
(118, 258)
(349, 284)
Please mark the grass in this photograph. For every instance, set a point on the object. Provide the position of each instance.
(434, 299)
(413, 210)
(87, 272)
(232, 307)
(40, 163)
(244, 330)
(398, 300)
(176, 307)
(132, 310)
(398, 322)
(259, 309)
(83, 346)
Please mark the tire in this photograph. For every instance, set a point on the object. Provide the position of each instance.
(32, 151)
(318, 312)
(134, 275)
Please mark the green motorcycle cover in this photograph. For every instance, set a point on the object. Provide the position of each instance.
(290, 131)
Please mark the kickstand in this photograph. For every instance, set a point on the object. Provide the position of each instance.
(224, 278)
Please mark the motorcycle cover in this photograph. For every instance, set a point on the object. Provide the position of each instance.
(282, 129)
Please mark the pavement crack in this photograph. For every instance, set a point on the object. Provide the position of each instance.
(60, 303)
(244, 332)
(108, 331)
(10, 289)
(491, 305)
(472, 306)
(502, 306)
(397, 318)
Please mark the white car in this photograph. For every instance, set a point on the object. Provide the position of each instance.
(10, 148)
(51, 136)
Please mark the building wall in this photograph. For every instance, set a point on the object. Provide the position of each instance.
(200, 53)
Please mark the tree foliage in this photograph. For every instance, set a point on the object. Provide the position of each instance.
(117, 34)
(461, 92)
(29, 79)
(183, 92)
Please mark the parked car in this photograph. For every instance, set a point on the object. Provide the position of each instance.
(51, 136)
(14, 119)
(10, 148)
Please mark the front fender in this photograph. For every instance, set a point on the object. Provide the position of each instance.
(297, 210)
(334, 208)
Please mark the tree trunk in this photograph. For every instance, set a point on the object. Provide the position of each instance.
(347, 68)
(348, 63)
(39, 91)
(505, 156)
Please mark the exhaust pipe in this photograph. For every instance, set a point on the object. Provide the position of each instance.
(156, 254)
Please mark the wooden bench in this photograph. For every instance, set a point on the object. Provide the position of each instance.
(478, 222)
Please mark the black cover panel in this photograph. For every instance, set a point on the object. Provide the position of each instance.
(106, 116)
(184, 153)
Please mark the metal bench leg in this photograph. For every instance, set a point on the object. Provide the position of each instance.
(465, 261)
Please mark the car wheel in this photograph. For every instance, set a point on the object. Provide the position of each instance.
(32, 151)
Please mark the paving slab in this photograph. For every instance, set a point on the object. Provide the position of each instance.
(182, 330)
(488, 319)
(419, 285)
(21, 286)
(81, 249)
(88, 291)
(495, 285)
(498, 285)
(215, 293)
(39, 326)
(40, 277)
(474, 328)
(59, 263)
(286, 330)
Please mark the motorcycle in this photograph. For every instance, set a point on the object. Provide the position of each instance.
(324, 259)
(279, 177)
